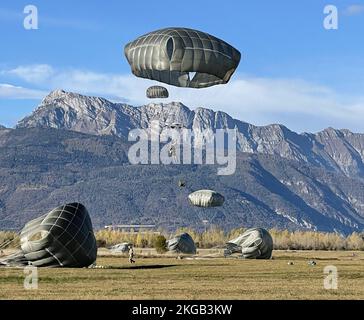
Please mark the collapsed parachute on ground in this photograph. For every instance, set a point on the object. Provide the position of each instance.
(154, 92)
(182, 243)
(255, 243)
(182, 57)
(121, 247)
(206, 198)
(62, 238)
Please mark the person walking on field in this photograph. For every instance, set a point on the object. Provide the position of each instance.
(131, 254)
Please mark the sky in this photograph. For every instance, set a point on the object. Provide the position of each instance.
(293, 71)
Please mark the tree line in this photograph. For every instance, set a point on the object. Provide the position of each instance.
(216, 238)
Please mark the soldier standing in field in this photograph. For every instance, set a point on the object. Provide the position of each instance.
(131, 254)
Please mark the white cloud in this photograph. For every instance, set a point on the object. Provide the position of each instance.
(354, 9)
(300, 105)
(35, 74)
(8, 91)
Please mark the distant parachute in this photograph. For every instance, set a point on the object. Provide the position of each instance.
(255, 243)
(206, 198)
(181, 183)
(62, 238)
(154, 92)
(175, 125)
(182, 243)
(182, 57)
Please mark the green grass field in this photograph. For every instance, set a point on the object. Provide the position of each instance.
(205, 278)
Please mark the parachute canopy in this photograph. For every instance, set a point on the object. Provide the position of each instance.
(157, 92)
(206, 198)
(182, 243)
(181, 183)
(255, 243)
(62, 238)
(182, 57)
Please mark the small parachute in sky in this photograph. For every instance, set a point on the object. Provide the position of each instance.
(175, 125)
(181, 183)
(182, 57)
(255, 243)
(206, 198)
(172, 152)
(182, 243)
(155, 92)
(62, 238)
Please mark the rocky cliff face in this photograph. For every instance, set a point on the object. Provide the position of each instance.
(335, 150)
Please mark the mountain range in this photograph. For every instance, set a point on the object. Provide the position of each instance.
(74, 148)
(337, 150)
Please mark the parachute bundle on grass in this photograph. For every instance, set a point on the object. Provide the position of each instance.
(182, 243)
(182, 57)
(121, 247)
(62, 238)
(206, 198)
(255, 243)
(155, 92)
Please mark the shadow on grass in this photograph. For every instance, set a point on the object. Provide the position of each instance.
(288, 257)
(144, 267)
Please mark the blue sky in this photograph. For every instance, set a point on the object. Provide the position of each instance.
(293, 71)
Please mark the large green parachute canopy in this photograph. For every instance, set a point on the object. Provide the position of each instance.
(154, 92)
(255, 243)
(62, 238)
(182, 243)
(182, 57)
(206, 198)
